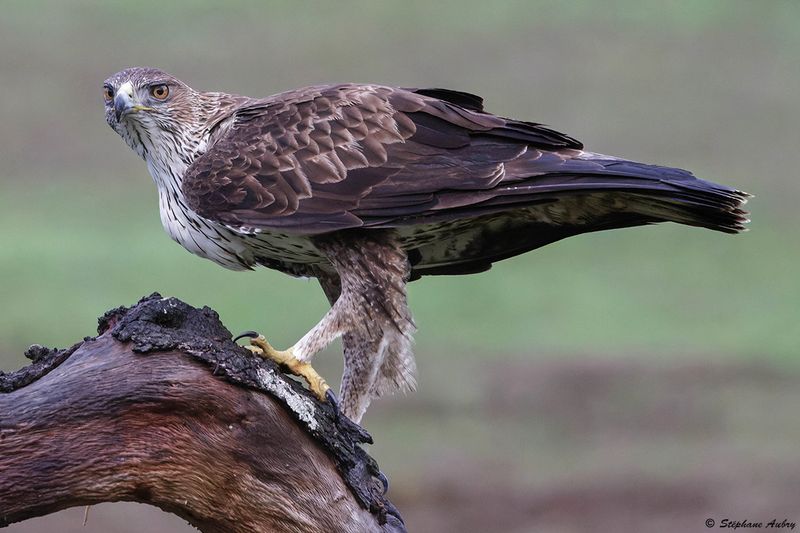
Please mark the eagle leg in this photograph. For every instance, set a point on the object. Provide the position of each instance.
(286, 359)
(367, 290)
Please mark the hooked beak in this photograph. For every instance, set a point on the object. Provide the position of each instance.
(124, 102)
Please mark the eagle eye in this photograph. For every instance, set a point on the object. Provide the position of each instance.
(108, 93)
(160, 91)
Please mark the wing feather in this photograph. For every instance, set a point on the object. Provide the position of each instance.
(327, 158)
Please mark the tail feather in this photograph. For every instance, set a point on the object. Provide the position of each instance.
(667, 194)
(691, 212)
(596, 193)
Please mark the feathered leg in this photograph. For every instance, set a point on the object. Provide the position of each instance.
(366, 285)
(369, 293)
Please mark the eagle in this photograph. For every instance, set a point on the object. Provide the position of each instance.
(368, 187)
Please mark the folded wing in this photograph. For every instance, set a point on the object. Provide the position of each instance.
(329, 158)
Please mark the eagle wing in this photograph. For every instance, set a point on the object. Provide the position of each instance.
(328, 158)
(485, 188)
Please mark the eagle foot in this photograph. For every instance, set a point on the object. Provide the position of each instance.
(286, 358)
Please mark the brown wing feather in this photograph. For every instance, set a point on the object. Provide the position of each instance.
(330, 158)
(327, 158)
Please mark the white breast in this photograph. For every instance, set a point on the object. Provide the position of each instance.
(200, 236)
(233, 248)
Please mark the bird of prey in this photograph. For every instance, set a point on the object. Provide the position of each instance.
(367, 187)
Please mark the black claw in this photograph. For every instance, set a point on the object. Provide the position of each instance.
(393, 517)
(385, 481)
(330, 397)
(250, 334)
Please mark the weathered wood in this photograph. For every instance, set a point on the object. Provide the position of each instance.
(163, 408)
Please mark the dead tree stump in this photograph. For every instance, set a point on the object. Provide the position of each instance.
(163, 408)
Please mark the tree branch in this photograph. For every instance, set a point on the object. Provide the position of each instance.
(163, 408)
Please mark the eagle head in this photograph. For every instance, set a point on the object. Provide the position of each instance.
(159, 117)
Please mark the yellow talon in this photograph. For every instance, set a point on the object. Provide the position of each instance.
(286, 358)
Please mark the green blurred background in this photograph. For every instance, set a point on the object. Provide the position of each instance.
(639, 380)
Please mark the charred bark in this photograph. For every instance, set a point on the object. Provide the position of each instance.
(163, 408)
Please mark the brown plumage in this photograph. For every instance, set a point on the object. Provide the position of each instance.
(366, 187)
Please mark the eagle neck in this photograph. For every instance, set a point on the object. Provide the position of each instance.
(175, 149)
